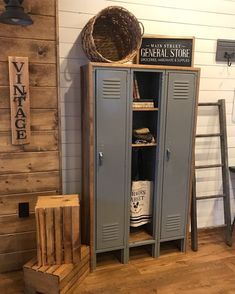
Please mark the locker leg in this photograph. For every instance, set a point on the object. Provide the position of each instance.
(125, 255)
(182, 245)
(156, 249)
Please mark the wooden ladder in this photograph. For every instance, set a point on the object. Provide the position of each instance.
(225, 179)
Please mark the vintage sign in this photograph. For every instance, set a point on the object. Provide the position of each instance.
(19, 99)
(163, 50)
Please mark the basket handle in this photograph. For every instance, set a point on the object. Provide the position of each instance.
(142, 28)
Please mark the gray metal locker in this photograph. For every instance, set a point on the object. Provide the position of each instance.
(109, 118)
(111, 156)
(178, 151)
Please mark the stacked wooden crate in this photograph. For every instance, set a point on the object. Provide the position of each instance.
(58, 229)
(57, 278)
(62, 262)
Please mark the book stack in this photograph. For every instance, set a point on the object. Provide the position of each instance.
(143, 103)
(136, 92)
(137, 101)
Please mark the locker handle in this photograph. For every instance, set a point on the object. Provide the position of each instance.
(168, 154)
(101, 158)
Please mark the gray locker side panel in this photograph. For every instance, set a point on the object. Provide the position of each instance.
(111, 120)
(177, 161)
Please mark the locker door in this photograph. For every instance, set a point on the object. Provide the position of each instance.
(111, 150)
(177, 161)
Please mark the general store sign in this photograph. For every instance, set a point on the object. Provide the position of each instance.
(163, 50)
(19, 99)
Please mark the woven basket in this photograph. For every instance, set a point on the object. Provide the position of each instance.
(113, 35)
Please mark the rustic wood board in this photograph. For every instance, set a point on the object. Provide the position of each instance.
(40, 97)
(41, 7)
(58, 235)
(9, 203)
(88, 163)
(40, 141)
(67, 225)
(41, 119)
(25, 162)
(15, 260)
(17, 242)
(11, 224)
(40, 75)
(30, 182)
(38, 51)
(36, 31)
(76, 239)
(50, 235)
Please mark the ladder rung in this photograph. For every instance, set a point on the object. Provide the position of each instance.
(210, 197)
(208, 166)
(209, 104)
(208, 135)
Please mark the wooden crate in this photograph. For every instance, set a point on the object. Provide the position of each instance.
(58, 229)
(57, 278)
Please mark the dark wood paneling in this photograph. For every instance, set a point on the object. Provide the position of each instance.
(40, 141)
(28, 162)
(9, 203)
(17, 242)
(18, 182)
(14, 261)
(44, 120)
(43, 7)
(41, 119)
(11, 224)
(40, 97)
(29, 182)
(43, 28)
(40, 75)
(36, 50)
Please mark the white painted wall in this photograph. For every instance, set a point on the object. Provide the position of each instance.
(207, 21)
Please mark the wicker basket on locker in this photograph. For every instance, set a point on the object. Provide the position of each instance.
(113, 35)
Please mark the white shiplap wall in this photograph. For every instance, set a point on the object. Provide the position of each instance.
(207, 21)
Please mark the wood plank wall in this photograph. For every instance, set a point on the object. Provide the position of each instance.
(207, 21)
(31, 170)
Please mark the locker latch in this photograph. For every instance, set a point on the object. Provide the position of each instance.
(101, 158)
(168, 154)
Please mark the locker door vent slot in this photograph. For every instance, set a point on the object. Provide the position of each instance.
(181, 90)
(110, 232)
(173, 223)
(111, 89)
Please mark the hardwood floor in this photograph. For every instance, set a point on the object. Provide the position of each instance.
(211, 270)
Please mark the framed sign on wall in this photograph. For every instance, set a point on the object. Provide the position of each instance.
(166, 50)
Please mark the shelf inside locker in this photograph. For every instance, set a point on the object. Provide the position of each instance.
(144, 145)
(145, 124)
(139, 235)
(145, 109)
